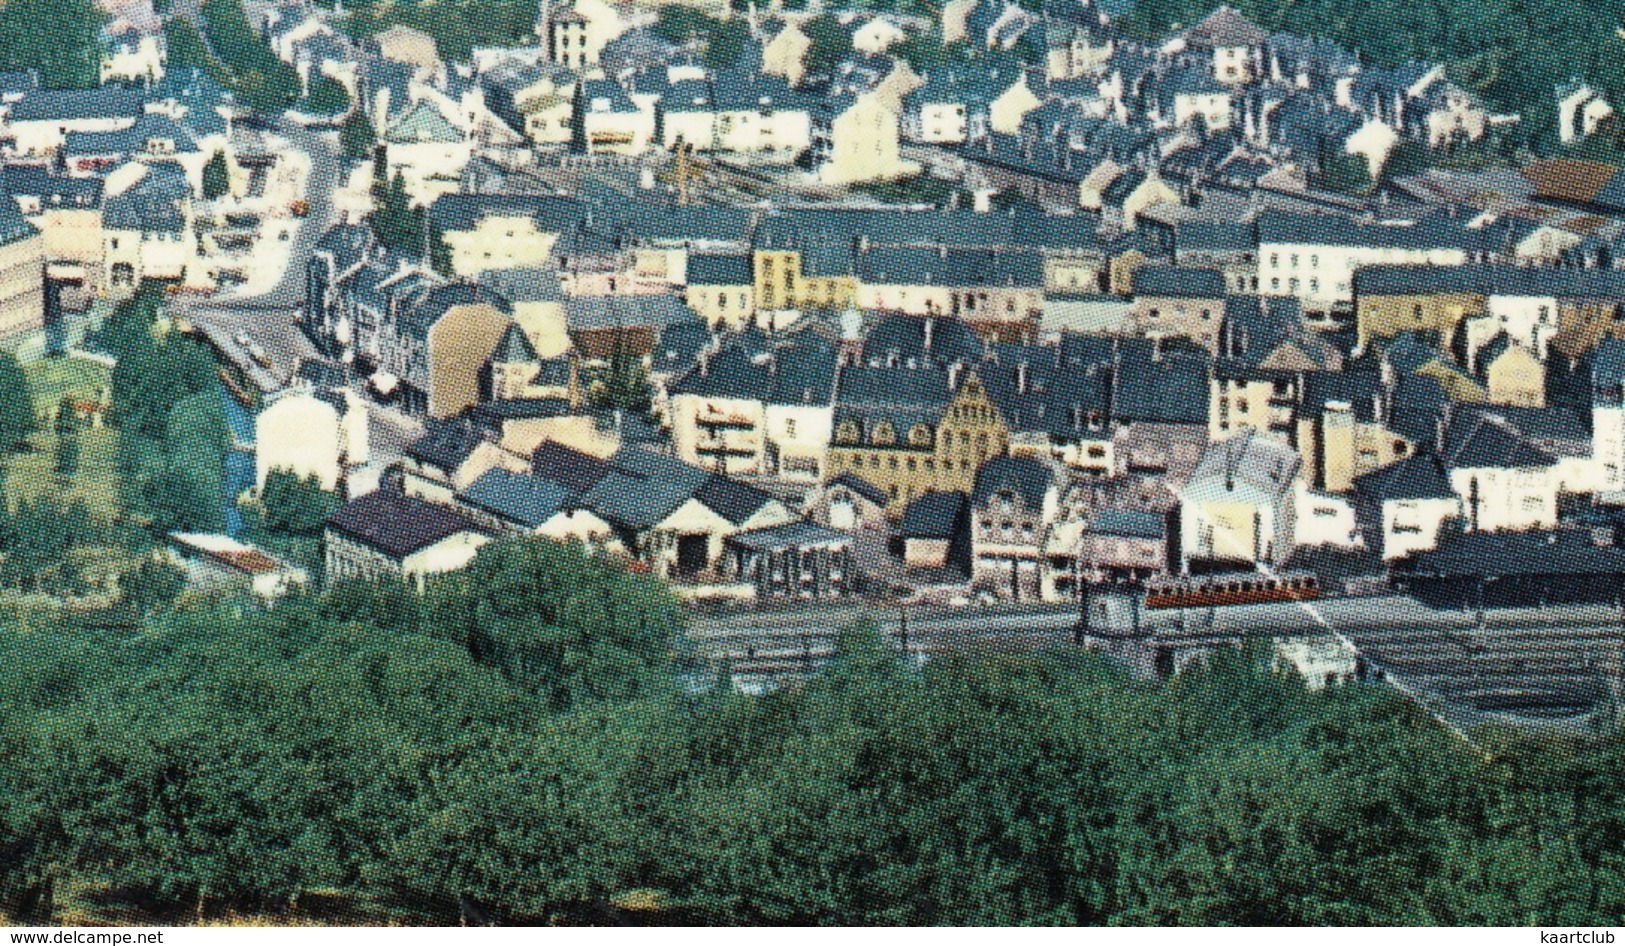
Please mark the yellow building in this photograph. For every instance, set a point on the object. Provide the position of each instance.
(1512, 374)
(914, 431)
(784, 280)
(1389, 300)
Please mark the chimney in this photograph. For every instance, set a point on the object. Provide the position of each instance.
(930, 330)
(1156, 348)
(953, 376)
(1021, 378)
(705, 364)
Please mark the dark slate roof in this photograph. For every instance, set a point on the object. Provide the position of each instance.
(1332, 230)
(514, 348)
(1608, 362)
(521, 498)
(1172, 390)
(730, 269)
(922, 339)
(77, 104)
(537, 284)
(1487, 441)
(648, 310)
(446, 443)
(144, 212)
(1495, 554)
(643, 487)
(1026, 477)
(742, 90)
(1419, 402)
(925, 266)
(51, 190)
(790, 535)
(606, 93)
(14, 82)
(933, 516)
(861, 486)
(1226, 27)
(577, 472)
(1489, 280)
(418, 317)
(13, 227)
(731, 499)
(1214, 237)
(1178, 282)
(1133, 523)
(396, 524)
(465, 211)
(1418, 476)
(1546, 427)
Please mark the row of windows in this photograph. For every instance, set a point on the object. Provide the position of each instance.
(910, 464)
(1275, 261)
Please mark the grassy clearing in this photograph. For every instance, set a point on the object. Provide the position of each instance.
(53, 378)
(31, 474)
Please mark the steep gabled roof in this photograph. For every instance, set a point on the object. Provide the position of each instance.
(396, 524)
(1418, 476)
(1226, 27)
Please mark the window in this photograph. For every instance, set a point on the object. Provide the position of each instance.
(1314, 262)
(790, 427)
(1275, 261)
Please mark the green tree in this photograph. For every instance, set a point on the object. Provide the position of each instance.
(1407, 157)
(399, 225)
(440, 258)
(356, 137)
(59, 38)
(296, 505)
(328, 97)
(1344, 173)
(558, 621)
(830, 44)
(252, 71)
(67, 457)
(216, 177)
(152, 586)
(17, 418)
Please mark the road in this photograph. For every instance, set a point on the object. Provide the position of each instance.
(325, 177)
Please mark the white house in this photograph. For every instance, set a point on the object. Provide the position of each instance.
(386, 533)
(1403, 506)
(1314, 256)
(1504, 482)
(310, 433)
(1239, 505)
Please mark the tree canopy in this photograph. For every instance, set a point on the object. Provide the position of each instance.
(58, 38)
(514, 747)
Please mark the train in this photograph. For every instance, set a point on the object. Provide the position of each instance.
(1213, 591)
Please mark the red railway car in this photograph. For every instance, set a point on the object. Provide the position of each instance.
(1215, 591)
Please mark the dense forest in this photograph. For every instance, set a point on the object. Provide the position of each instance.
(70, 58)
(514, 747)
